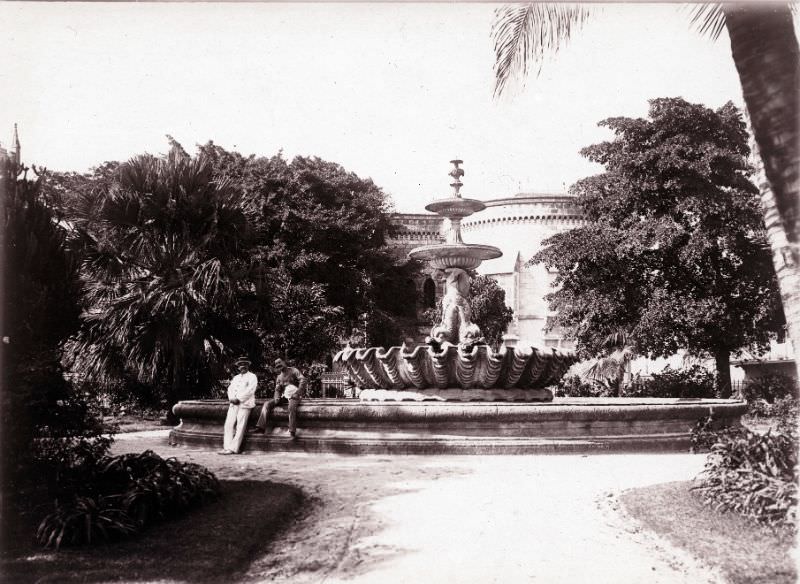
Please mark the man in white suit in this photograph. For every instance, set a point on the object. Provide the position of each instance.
(242, 399)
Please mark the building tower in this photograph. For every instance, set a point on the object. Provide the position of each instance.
(12, 156)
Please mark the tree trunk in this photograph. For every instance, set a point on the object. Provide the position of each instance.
(722, 357)
(175, 389)
(767, 57)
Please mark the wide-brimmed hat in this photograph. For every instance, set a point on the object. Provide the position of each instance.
(243, 360)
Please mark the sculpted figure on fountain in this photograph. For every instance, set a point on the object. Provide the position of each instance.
(456, 310)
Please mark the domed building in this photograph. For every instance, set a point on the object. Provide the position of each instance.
(517, 225)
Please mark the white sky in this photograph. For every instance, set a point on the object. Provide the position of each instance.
(390, 91)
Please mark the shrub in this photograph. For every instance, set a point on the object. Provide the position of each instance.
(124, 494)
(769, 388)
(784, 410)
(752, 474)
(575, 386)
(695, 382)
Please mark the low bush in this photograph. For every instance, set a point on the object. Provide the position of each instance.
(770, 388)
(122, 495)
(752, 474)
(575, 386)
(694, 382)
(784, 410)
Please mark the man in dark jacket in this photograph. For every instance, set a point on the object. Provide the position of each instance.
(290, 385)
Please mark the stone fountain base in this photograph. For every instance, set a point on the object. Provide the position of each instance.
(348, 426)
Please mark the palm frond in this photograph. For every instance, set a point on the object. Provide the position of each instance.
(708, 19)
(524, 34)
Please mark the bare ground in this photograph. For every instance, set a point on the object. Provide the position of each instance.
(459, 519)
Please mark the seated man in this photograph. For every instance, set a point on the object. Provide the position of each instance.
(290, 386)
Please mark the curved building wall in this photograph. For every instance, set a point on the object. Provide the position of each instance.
(518, 225)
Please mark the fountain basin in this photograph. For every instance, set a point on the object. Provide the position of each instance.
(455, 255)
(565, 425)
(477, 368)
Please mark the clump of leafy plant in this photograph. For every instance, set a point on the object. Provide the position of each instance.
(783, 410)
(575, 386)
(769, 395)
(122, 495)
(694, 382)
(752, 474)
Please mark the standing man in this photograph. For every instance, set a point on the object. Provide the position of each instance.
(242, 399)
(290, 386)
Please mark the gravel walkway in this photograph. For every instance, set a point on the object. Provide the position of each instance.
(459, 519)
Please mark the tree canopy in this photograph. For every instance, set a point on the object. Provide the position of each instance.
(673, 252)
(190, 260)
(166, 248)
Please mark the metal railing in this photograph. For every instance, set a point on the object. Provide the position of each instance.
(334, 385)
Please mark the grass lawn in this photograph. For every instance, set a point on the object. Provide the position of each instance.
(747, 553)
(213, 543)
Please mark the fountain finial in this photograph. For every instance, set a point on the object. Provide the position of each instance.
(456, 173)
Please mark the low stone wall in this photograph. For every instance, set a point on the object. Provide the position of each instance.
(563, 425)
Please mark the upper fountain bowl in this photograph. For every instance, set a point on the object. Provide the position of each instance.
(455, 207)
(455, 255)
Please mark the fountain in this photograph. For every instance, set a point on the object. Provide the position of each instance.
(456, 365)
(455, 394)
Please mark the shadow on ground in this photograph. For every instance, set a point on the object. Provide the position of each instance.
(211, 544)
(339, 527)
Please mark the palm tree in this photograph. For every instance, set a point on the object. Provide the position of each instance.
(160, 282)
(610, 369)
(765, 50)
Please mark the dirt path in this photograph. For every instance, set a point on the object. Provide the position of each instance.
(459, 519)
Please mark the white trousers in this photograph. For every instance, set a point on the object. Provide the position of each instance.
(235, 427)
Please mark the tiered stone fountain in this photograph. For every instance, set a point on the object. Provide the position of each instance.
(456, 395)
(456, 365)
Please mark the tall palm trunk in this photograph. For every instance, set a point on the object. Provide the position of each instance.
(767, 57)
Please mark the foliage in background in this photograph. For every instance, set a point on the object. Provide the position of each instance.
(673, 251)
(321, 225)
(489, 310)
(752, 474)
(767, 57)
(191, 260)
(576, 386)
(693, 382)
(303, 324)
(47, 427)
(770, 388)
(123, 495)
(785, 409)
(166, 247)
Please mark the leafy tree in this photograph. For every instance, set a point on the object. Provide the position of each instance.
(166, 265)
(46, 427)
(304, 325)
(489, 310)
(673, 253)
(767, 57)
(319, 224)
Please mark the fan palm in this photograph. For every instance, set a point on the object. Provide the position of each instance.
(767, 58)
(610, 369)
(160, 281)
